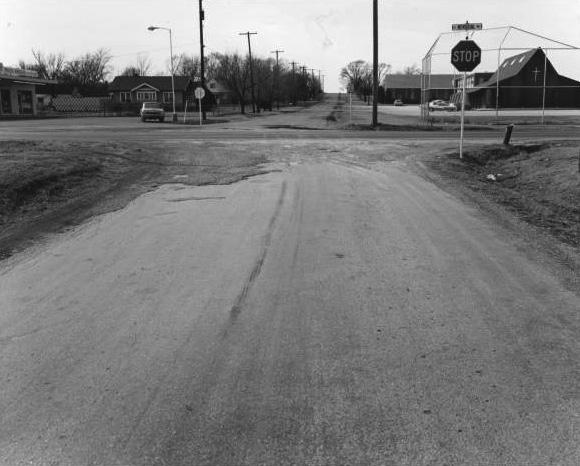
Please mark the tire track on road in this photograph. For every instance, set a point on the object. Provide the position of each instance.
(266, 242)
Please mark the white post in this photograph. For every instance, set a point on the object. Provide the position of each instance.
(350, 108)
(185, 112)
(462, 115)
(200, 116)
(174, 117)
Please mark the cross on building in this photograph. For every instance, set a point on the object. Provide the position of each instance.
(535, 73)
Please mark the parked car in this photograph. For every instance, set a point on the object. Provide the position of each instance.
(435, 105)
(152, 111)
(398, 103)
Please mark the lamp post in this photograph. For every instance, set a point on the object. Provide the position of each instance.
(153, 28)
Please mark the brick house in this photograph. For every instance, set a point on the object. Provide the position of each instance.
(408, 87)
(132, 91)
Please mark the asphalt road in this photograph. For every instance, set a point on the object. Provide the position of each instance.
(327, 313)
(309, 125)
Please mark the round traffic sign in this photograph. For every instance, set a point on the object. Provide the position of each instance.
(199, 93)
(466, 55)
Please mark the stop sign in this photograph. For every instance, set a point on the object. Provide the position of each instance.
(466, 55)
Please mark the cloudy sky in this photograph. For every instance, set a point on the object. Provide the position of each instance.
(320, 34)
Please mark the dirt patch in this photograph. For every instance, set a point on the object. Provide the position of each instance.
(538, 183)
(46, 186)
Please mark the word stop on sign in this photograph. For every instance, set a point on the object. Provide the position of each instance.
(466, 55)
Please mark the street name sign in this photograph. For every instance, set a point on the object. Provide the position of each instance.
(466, 55)
(467, 27)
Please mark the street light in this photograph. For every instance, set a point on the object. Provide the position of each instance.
(153, 28)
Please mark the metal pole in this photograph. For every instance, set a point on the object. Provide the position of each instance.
(375, 62)
(462, 115)
(174, 117)
(498, 72)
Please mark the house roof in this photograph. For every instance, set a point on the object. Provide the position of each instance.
(163, 83)
(403, 81)
(511, 66)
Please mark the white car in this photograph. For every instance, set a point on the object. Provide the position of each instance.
(442, 105)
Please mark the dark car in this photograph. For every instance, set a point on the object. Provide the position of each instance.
(152, 111)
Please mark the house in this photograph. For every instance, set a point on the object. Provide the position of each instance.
(408, 87)
(132, 91)
(18, 90)
(526, 80)
(222, 94)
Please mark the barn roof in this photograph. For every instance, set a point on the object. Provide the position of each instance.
(403, 81)
(512, 66)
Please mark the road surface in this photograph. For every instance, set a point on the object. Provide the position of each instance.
(327, 313)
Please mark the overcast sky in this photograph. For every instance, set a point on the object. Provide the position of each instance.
(320, 34)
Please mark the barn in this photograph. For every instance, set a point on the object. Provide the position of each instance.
(526, 80)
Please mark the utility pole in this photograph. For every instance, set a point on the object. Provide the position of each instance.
(312, 70)
(294, 82)
(277, 78)
(375, 62)
(248, 34)
(201, 50)
(305, 83)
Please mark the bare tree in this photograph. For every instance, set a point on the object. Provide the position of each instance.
(410, 70)
(88, 70)
(263, 75)
(143, 64)
(233, 71)
(357, 77)
(140, 68)
(48, 66)
(131, 70)
(187, 65)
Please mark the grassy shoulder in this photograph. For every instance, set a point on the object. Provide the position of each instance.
(538, 183)
(46, 186)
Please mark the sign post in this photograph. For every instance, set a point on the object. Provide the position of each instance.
(465, 56)
(199, 94)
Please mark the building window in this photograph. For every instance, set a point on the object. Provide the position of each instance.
(167, 97)
(5, 102)
(125, 97)
(147, 96)
(24, 102)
